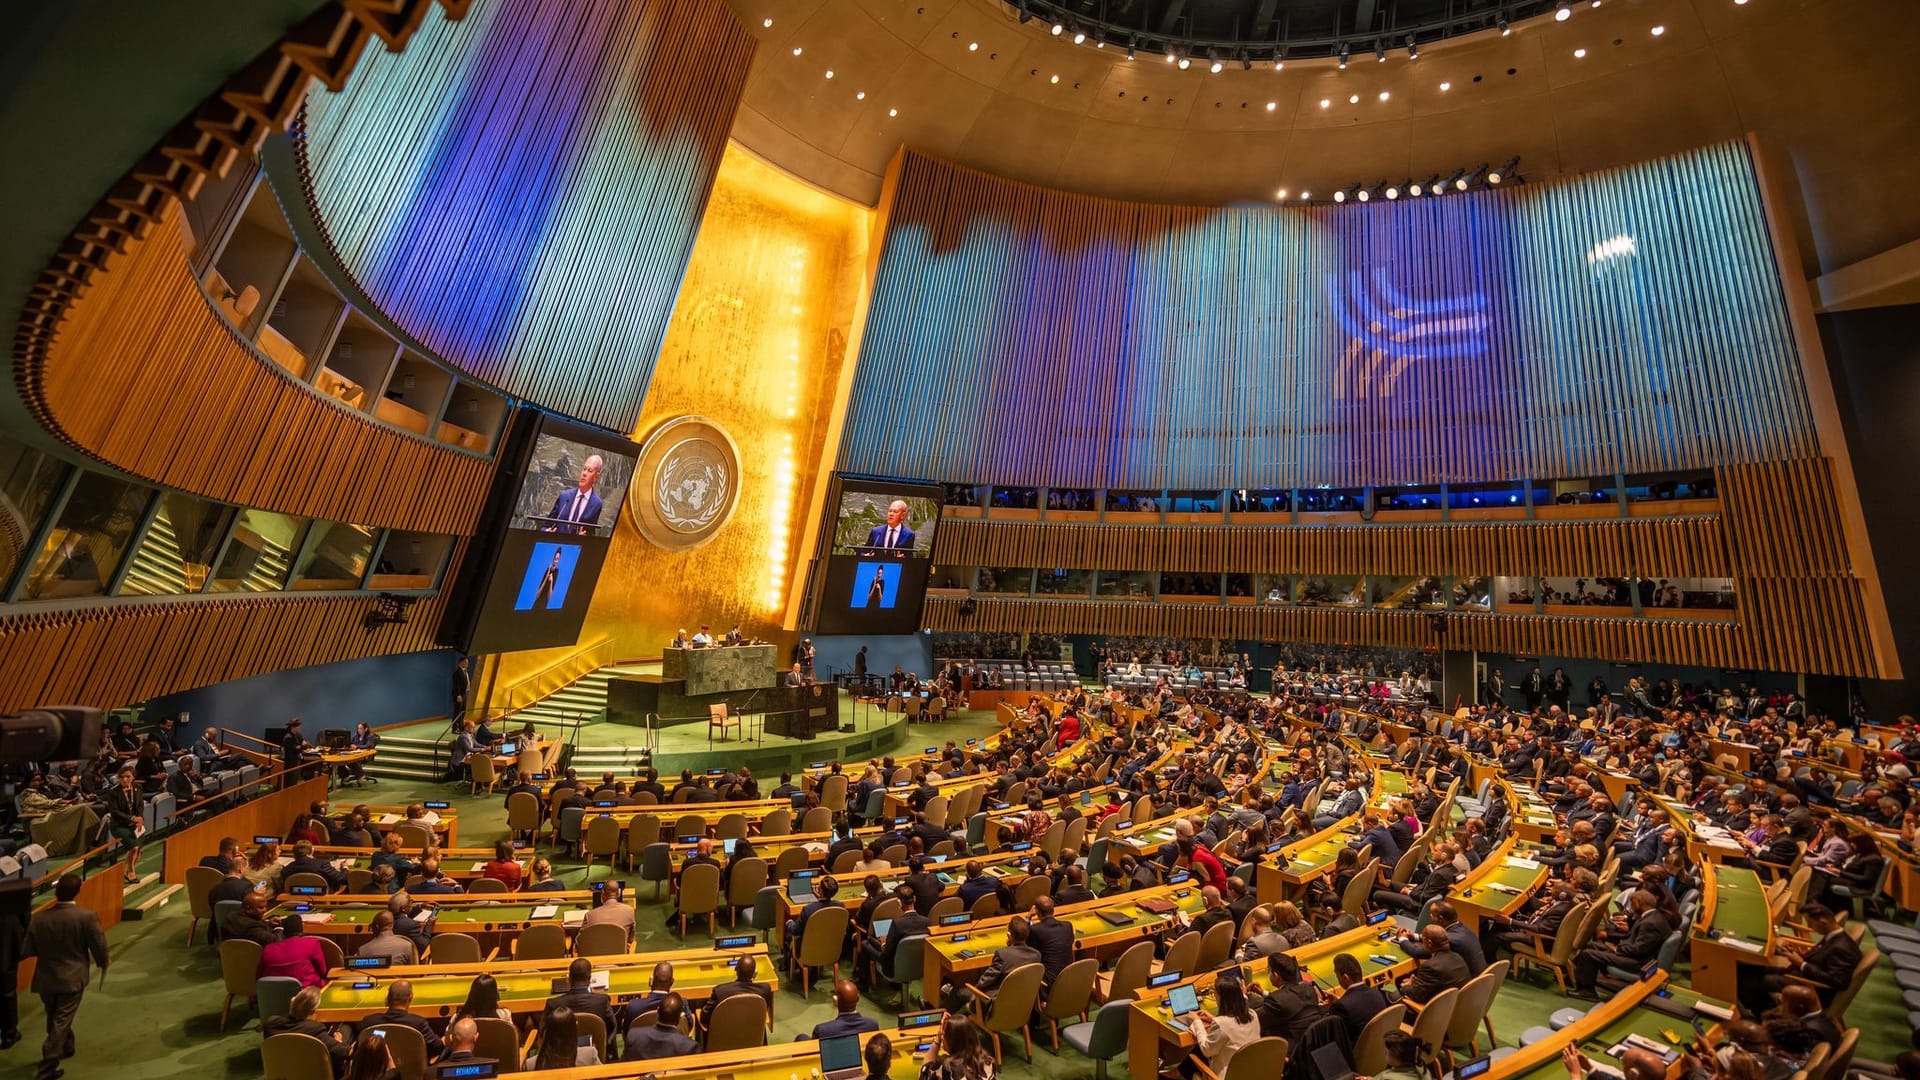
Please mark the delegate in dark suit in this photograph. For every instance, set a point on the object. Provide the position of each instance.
(66, 939)
(730, 989)
(339, 1051)
(578, 507)
(1465, 944)
(403, 1018)
(583, 999)
(1828, 965)
(898, 536)
(1441, 971)
(1642, 944)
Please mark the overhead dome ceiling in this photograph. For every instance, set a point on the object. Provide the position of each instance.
(968, 81)
(1245, 31)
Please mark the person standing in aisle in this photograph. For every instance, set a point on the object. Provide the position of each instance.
(66, 940)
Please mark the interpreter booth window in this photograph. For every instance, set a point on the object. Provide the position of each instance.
(1240, 587)
(1394, 593)
(1594, 592)
(1072, 499)
(29, 480)
(1016, 498)
(1411, 497)
(1321, 590)
(260, 553)
(1671, 487)
(1133, 502)
(176, 554)
(1507, 498)
(1006, 580)
(962, 494)
(1261, 501)
(1696, 594)
(1594, 491)
(335, 556)
(410, 560)
(1190, 585)
(86, 543)
(1515, 593)
(1125, 585)
(1332, 500)
(1193, 502)
(950, 578)
(1473, 594)
(1064, 582)
(1273, 589)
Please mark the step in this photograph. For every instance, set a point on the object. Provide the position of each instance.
(154, 901)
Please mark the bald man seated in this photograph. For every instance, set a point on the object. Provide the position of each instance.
(846, 999)
(642, 1004)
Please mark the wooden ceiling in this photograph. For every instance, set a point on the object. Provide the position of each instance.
(1828, 84)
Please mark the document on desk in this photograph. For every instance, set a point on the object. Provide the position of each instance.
(479, 866)
(1523, 864)
(544, 911)
(312, 917)
(1743, 945)
(389, 819)
(574, 917)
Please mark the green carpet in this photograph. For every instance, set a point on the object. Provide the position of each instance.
(159, 1011)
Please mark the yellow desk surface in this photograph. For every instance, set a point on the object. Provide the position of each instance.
(526, 985)
(1090, 931)
(796, 1060)
(1006, 866)
(1498, 886)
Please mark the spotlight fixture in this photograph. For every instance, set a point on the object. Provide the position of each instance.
(767, 23)
(1246, 62)
(1384, 95)
(1505, 28)
(1279, 65)
(1579, 54)
(1216, 68)
(1326, 103)
(796, 50)
(1413, 48)
(1058, 29)
(1272, 105)
(829, 73)
(1184, 63)
(1055, 80)
(1479, 178)
(1129, 52)
(1457, 181)
(1025, 15)
(1504, 171)
(893, 112)
(1171, 57)
(1393, 192)
(1364, 195)
(1445, 86)
(1430, 187)
(973, 46)
(1079, 39)
(1281, 194)
(1340, 196)
(1346, 50)
(1305, 195)
(1658, 30)
(1353, 99)
(860, 95)
(1379, 52)
(1562, 11)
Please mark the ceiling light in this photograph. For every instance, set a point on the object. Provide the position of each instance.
(768, 23)
(829, 73)
(973, 46)
(1384, 95)
(1171, 58)
(1079, 39)
(1561, 12)
(1505, 172)
(1415, 190)
(1339, 196)
(1365, 195)
(1058, 29)
(1185, 63)
(1354, 100)
(1413, 48)
(1658, 30)
(860, 96)
(1304, 195)
(1326, 102)
(1099, 44)
(1460, 184)
(1245, 63)
(1345, 51)
(1129, 56)
(796, 50)
(1457, 180)
(1505, 29)
(1055, 79)
(1272, 105)
(1278, 65)
(1579, 54)
(893, 112)
(1596, 3)
(1379, 53)
(1281, 194)
(1217, 65)
(1393, 193)
(1445, 86)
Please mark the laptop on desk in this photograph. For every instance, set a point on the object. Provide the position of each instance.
(840, 1058)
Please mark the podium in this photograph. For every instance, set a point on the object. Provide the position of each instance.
(797, 712)
(719, 670)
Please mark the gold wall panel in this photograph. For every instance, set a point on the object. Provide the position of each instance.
(757, 344)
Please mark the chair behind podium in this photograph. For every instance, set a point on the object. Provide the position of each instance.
(719, 717)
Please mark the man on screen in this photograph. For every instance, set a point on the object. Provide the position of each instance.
(894, 534)
(579, 508)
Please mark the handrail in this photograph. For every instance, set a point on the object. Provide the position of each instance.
(548, 680)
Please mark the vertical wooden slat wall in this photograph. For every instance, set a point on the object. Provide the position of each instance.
(148, 378)
(520, 189)
(125, 652)
(1626, 321)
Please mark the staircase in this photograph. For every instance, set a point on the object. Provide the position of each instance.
(584, 699)
(147, 897)
(157, 565)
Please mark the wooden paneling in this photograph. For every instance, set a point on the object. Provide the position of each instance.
(1802, 606)
(148, 377)
(121, 652)
(268, 815)
(1625, 321)
(1667, 547)
(520, 190)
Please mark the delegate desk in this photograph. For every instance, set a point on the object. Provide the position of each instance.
(384, 819)
(1734, 926)
(1009, 867)
(960, 955)
(525, 985)
(1314, 857)
(1652, 1009)
(460, 864)
(794, 1060)
(1150, 1024)
(1705, 840)
(493, 918)
(1497, 887)
(1533, 821)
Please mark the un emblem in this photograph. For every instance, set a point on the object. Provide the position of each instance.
(693, 473)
